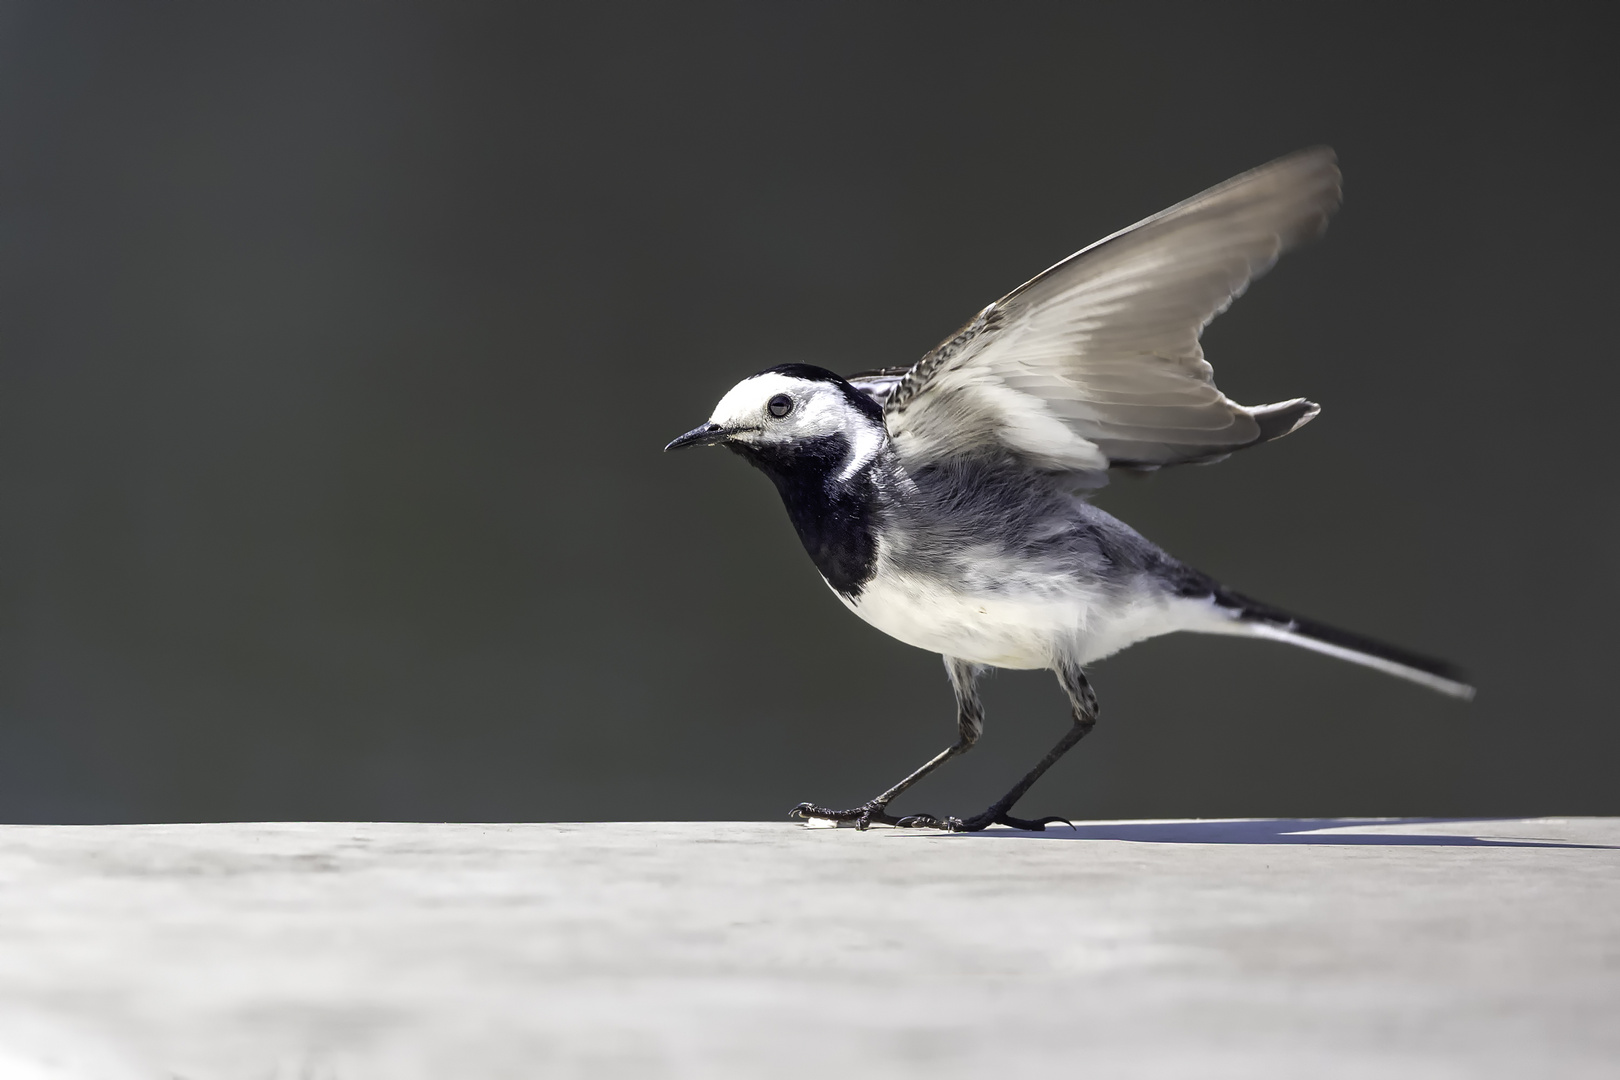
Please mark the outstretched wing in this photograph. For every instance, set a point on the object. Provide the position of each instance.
(1096, 362)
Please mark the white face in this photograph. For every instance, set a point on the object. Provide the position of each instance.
(813, 409)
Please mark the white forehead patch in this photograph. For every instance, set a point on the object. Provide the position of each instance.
(744, 404)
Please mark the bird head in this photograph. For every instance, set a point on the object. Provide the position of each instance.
(794, 412)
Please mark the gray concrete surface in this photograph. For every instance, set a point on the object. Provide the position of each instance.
(1125, 949)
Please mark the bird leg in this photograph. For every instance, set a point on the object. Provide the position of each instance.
(1083, 704)
(969, 725)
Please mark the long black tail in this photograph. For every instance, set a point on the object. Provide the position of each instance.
(1255, 619)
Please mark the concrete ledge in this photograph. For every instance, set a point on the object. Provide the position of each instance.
(1120, 949)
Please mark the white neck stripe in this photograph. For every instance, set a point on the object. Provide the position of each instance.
(868, 443)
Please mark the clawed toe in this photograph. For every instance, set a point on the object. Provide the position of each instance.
(1039, 825)
(862, 817)
(994, 816)
(875, 813)
(928, 821)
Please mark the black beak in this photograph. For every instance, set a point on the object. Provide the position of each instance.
(706, 435)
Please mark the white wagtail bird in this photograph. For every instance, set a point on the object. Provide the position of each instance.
(945, 503)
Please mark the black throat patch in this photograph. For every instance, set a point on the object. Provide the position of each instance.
(835, 519)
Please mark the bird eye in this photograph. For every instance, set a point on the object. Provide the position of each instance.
(780, 405)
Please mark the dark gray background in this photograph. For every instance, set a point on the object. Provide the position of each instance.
(338, 343)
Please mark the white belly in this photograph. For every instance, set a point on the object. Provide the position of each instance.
(1031, 624)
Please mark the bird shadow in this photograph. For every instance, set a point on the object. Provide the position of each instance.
(1281, 831)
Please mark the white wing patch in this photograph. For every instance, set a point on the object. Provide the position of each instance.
(971, 407)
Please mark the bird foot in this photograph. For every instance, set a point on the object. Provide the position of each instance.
(862, 816)
(978, 822)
